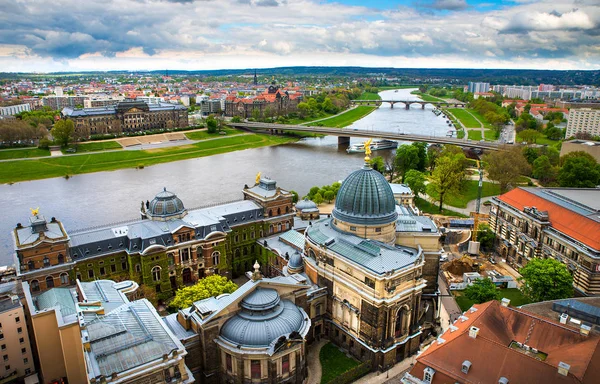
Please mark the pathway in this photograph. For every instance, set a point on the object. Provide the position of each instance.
(392, 375)
(481, 126)
(465, 211)
(314, 363)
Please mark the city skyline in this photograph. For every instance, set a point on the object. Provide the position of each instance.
(196, 34)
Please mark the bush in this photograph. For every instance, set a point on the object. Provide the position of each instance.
(44, 144)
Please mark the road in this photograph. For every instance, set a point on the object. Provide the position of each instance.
(508, 134)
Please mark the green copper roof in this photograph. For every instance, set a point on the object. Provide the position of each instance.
(365, 197)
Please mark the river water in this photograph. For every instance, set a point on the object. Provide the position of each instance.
(105, 197)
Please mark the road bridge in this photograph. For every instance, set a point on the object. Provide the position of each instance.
(407, 103)
(344, 134)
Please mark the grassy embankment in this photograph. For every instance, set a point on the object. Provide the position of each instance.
(469, 117)
(426, 97)
(203, 134)
(21, 170)
(467, 193)
(20, 153)
(427, 207)
(94, 146)
(543, 140)
(344, 119)
(369, 96)
(515, 296)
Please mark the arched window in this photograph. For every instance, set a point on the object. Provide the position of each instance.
(278, 211)
(156, 273)
(270, 212)
(61, 258)
(49, 282)
(64, 279)
(402, 321)
(138, 268)
(35, 286)
(287, 209)
(216, 255)
(30, 265)
(245, 251)
(311, 254)
(171, 259)
(271, 228)
(278, 227)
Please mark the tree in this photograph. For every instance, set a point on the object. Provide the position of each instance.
(447, 176)
(416, 181)
(213, 285)
(236, 119)
(329, 196)
(422, 153)
(433, 152)
(407, 158)
(482, 290)
(579, 170)
(317, 199)
(377, 164)
(546, 279)
(486, 237)
(63, 131)
(505, 166)
(553, 133)
(543, 170)
(211, 124)
(529, 135)
(313, 191)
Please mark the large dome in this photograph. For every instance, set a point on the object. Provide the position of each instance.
(365, 198)
(263, 319)
(165, 204)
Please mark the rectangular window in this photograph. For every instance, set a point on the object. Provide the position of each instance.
(3, 347)
(91, 273)
(285, 364)
(25, 360)
(228, 363)
(370, 282)
(124, 266)
(21, 340)
(7, 367)
(27, 371)
(113, 268)
(353, 228)
(5, 357)
(19, 330)
(255, 369)
(102, 271)
(17, 319)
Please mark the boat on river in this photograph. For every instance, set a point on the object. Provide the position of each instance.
(375, 146)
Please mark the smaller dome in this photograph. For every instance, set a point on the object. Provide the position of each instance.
(295, 264)
(165, 204)
(261, 299)
(305, 204)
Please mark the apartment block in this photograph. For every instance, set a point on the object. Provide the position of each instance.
(584, 120)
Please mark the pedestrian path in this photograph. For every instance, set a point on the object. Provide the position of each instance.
(314, 363)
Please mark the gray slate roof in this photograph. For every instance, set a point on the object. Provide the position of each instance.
(57, 297)
(375, 256)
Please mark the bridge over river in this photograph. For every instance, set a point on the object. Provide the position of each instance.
(407, 103)
(344, 134)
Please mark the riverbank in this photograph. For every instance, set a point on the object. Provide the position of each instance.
(344, 119)
(67, 166)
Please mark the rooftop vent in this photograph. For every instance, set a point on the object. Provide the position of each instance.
(440, 340)
(563, 318)
(473, 331)
(505, 302)
(503, 380)
(563, 368)
(466, 365)
(585, 329)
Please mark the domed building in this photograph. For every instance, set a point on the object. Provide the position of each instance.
(165, 206)
(307, 210)
(365, 206)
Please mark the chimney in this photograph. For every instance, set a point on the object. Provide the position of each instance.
(563, 318)
(466, 365)
(563, 368)
(505, 302)
(473, 331)
(585, 329)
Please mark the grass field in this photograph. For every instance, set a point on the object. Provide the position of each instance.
(460, 134)
(203, 135)
(467, 193)
(542, 140)
(346, 118)
(21, 170)
(21, 153)
(433, 209)
(426, 97)
(491, 134)
(515, 296)
(475, 135)
(334, 362)
(369, 96)
(465, 117)
(94, 146)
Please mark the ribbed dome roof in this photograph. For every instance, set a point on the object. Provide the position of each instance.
(305, 204)
(365, 198)
(260, 327)
(166, 204)
(295, 264)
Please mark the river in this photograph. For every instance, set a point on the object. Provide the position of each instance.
(100, 198)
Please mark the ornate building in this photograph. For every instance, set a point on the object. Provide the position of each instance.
(126, 116)
(272, 102)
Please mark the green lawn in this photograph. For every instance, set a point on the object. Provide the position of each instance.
(433, 209)
(426, 97)
(21, 153)
(481, 118)
(345, 118)
(465, 117)
(369, 96)
(94, 146)
(21, 170)
(334, 362)
(203, 135)
(491, 134)
(308, 119)
(468, 192)
(460, 134)
(475, 135)
(542, 140)
(516, 298)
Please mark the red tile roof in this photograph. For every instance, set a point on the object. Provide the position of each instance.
(562, 219)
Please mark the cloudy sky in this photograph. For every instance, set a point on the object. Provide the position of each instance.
(77, 35)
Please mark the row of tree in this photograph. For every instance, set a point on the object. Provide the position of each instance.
(325, 193)
(14, 131)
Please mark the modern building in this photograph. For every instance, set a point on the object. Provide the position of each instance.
(493, 343)
(12, 110)
(60, 102)
(92, 333)
(166, 249)
(96, 101)
(563, 223)
(15, 345)
(126, 116)
(478, 87)
(583, 120)
(590, 147)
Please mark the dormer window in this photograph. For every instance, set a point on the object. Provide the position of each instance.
(428, 375)
(466, 365)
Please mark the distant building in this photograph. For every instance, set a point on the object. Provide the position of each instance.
(273, 102)
(12, 110)
(102, 101)
(92, 333)
(60, 102)
(584, 120)
(478, 87)
(127, 116)
(591, 147)
(562, 223)
(493, 343)
(403, 194)
(58, 91)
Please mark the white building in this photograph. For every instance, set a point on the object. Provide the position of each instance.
(584, 120)
(12, 110)
(58, 91)
(478, 87)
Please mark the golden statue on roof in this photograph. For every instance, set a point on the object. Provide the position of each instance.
(35, 211)
(368, 150)
(258, 178)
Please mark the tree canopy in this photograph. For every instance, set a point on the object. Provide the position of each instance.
(546, 279)
(505, 167)
(62, 132)
(579, 170)
(213, 285)
(447, 176)
(482, 290)
(407, 158)
(416, 181)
